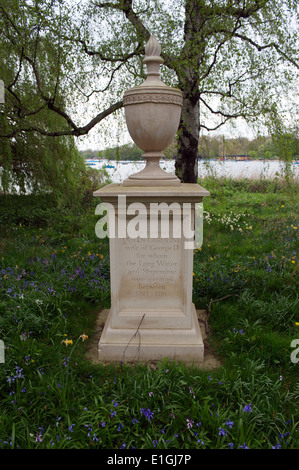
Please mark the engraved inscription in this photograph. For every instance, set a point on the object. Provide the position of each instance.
(151, 268)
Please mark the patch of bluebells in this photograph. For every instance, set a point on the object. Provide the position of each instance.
(281, 437)
(18, 375)
(241, 332)
(16, 283)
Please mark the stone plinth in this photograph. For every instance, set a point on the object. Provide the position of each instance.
(152, 315)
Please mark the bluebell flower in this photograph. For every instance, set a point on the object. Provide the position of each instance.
(119, 426)
(147, 413)
(222, 432)
(247, 408)
(229, 424)
(244, 446)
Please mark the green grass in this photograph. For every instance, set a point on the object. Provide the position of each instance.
(54, 278)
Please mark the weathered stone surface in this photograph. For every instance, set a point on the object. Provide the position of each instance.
(152, 315)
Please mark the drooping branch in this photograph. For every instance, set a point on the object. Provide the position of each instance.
(126, 7)
(219, 112)
(143, 34)
(240, 12)
(117, 58)
(267, 46)
(74, 130)
(203, 126)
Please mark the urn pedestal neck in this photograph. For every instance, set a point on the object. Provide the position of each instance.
(153, 112)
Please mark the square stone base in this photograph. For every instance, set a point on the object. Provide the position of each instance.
(132, 345)
(152, 316)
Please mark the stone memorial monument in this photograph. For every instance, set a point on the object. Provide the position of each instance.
(151, 235)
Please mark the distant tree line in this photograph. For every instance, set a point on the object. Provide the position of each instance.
(122, 152)
(285, 147)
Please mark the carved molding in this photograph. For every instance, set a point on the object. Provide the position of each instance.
(152, 98)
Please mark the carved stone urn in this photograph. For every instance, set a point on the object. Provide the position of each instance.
(153, 112)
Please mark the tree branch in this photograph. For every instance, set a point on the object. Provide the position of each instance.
(126, 7)
(75, 131)
(122, 58)
(216, 127)
(244, 12)
(221, 113)
(143, 33)
(266, 46)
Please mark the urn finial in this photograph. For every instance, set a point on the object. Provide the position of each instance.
(153, 61)
(152, 47)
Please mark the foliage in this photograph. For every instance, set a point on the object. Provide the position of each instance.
(124, 152)
(54, 280)
(209, 146)
(73, 60)
(40, 164)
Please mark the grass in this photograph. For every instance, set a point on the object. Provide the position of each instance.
(55, 278)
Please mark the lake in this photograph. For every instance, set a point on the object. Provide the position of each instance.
(255, 169)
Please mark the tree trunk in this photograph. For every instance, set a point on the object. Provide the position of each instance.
(186, 165)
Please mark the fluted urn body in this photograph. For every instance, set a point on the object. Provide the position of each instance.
(153, 112)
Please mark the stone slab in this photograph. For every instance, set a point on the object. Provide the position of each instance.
(185, 191)
(151, 344)
(210, 361)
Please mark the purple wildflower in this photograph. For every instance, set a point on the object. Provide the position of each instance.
(189, 423)
(229, 424)
(147, 413)
(222, 432)
(247, 408)
(244, 446)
